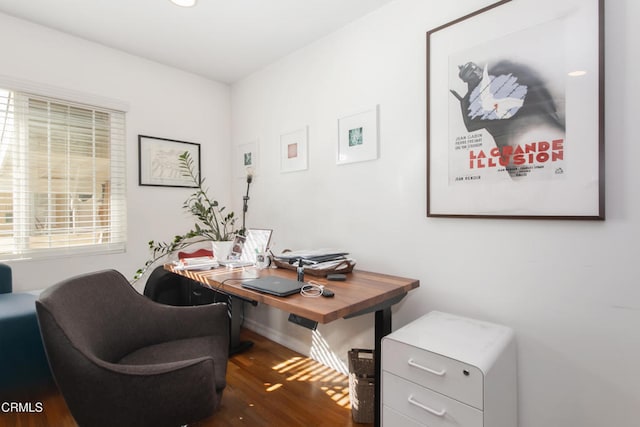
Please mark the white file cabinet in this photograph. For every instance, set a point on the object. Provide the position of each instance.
(444, 370)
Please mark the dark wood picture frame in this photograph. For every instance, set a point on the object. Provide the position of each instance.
(158, 162)
(467, 180)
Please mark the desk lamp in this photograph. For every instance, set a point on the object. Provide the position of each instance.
(245, 201)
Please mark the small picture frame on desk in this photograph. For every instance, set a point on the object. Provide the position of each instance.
(237, 247)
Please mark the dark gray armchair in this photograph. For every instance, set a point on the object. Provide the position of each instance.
(120, 359)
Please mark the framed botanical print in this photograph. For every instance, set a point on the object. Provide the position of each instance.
(159, 161)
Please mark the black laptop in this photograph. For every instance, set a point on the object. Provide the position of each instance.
(274, 286)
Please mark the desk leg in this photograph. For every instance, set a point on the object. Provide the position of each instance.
(235, 345)
(382, 328)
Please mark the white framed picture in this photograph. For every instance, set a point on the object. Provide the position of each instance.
(246, 159)
(294, 150)
(358, 136)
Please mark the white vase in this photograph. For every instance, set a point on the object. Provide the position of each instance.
(221, 250)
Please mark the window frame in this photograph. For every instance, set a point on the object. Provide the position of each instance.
(117, 215)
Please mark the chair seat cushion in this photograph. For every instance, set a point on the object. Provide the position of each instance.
(190, 348)
(17, 305)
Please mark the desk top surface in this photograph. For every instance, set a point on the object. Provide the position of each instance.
(361, 291)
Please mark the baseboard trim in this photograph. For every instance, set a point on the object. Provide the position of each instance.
(277, 336)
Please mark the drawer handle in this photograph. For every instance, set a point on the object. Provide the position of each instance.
(426, 408)
(424, 368)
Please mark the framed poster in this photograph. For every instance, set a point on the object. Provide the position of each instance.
(515, 116)
(293, 150)
(158, 161)
(246, 159)
(358, 137)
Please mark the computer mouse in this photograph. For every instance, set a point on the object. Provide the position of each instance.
(327, 293)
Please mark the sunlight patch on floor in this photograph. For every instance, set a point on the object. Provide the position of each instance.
(273, 387)
(323, 368)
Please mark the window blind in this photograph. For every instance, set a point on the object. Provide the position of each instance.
(62, 177)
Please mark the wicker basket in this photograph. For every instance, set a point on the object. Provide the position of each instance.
(345, 266)
(362, 385)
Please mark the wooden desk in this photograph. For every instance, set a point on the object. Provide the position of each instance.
(363, 292)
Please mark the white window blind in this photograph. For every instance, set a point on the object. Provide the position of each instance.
(62, 177)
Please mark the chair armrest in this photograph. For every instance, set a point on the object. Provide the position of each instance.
(168, 323)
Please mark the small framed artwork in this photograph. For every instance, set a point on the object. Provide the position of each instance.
(358, 137)
(246, 159)
(237, 247)
(293, 150)
(159, 163)
(515, 114)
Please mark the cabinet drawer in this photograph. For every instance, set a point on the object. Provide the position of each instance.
(393, 418)
(426, 406)
(447, 376)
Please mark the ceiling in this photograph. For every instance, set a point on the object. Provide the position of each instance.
(224, 40)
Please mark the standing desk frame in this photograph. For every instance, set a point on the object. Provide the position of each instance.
(363, 292)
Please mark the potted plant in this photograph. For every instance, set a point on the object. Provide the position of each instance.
(212, 223)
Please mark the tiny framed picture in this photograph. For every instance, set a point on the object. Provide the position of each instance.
(358, 137)
(246, 159)
(293, 150)
(237, 247)
(159, 162)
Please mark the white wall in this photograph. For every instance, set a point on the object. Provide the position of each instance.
(163, 102)
(568, 288)
(570, 292)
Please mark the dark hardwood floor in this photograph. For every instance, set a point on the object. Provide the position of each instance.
(268, 385)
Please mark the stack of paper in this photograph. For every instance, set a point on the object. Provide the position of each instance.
(317, 259)
(313, 256)
(196, 263)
